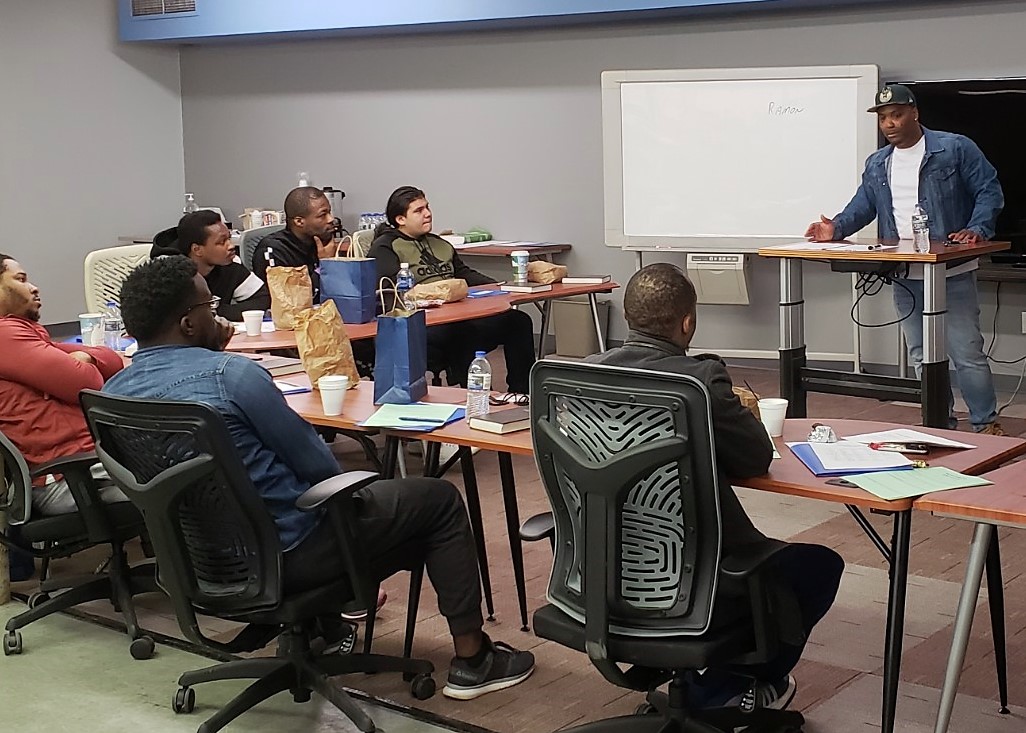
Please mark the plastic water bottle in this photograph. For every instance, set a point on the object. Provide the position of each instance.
(479, 384)
(112, 326)
(403, 285)
(920, 230)
(303, 179)
(190, 204)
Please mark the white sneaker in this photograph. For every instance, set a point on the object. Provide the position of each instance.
(448, 450)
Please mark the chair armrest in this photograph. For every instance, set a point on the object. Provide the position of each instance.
(63, 464)
(744, 561)
(344, 484)
(539, 527)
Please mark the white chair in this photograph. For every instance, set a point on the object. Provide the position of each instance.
(361, 242)
(251, 238)
(106, 269)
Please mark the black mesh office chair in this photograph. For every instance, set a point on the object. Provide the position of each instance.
(218, 553)
(628, 462)
(94, 524)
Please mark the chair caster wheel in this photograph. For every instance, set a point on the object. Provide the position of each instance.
(423, 686)
(184, 700)
(645, 708)
(38, 599)
(12, 643)
(142, 648)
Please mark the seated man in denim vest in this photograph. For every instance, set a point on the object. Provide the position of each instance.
(167, 307)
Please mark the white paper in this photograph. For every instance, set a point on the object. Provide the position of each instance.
(905, 435)
(849, 455)
(471, 245)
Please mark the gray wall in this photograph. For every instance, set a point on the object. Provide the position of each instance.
(503, 130)
(90, 141)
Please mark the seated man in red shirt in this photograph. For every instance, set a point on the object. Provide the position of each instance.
(39, 385)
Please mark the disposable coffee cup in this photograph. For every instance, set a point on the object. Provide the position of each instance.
(520, 258)
(773, 410)
(333, 393)
(90, 326)
(254, 321)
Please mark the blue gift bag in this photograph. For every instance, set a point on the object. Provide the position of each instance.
(400, 361)
(351, 283)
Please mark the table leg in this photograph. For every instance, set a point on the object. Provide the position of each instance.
(476, 524)
(996, 601)
(936, 383)
(978, 551)
(792, 336)
(900, 541)
(593, 302)
(546, 313)
(509, 501)
(389, 457)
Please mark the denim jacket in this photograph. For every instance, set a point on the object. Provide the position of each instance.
(281, 451)
(958, 189)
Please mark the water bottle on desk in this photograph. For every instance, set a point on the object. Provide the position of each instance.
(190, 204)
(112, 326)
(920, 230)
(403, 285)
(479, 385)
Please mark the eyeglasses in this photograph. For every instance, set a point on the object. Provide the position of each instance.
(510, 398)
(214, 302)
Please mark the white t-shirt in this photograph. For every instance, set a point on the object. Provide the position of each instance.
(904, 175)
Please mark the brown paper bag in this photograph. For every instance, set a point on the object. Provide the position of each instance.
(545, 273)
(448, 291)
(749, 399)
(324, 344)
(291, 294)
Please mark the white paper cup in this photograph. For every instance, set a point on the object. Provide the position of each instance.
(254, 321)
(333, 393)
(773, 410)
(90, 326)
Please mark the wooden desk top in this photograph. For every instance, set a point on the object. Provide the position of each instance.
(788, 475)
(939, 251)
(504, 250)
(464, 310)
(1002, 503)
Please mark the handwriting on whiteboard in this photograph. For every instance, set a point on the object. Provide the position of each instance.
(776, 109)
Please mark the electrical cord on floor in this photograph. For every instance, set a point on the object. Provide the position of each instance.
(870, 284)
(993, 343)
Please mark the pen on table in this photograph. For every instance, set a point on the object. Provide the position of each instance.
(431, 420)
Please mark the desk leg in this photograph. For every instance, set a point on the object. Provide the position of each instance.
(516, 551)
(900, 541)
(593, 302)
(792, 336)
(476, 524)
(546, 313)
(936, 383)
(390, 457)
(978, 551)
(996, 601)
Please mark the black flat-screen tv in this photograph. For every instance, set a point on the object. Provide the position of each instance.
(989, 111)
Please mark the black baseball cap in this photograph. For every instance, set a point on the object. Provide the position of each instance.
(893, 94)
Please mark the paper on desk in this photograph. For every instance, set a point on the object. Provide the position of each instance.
(471, 245)
(905, 435)
(806, 246)
(418, 416)
(855, 456)
(289, 387)
(892, 485)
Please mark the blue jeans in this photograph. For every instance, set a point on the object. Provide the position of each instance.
(963, 339)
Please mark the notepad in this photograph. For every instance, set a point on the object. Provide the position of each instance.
(420, 416)
(892, 485)
(290, 388)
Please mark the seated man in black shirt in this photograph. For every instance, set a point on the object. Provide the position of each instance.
(203, 237)
(308, 236)
(407, 238)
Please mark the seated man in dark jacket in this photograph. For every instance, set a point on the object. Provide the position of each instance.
(407, 238)
(203, 237)
(660, 306)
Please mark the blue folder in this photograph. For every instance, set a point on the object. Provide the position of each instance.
(807, 456)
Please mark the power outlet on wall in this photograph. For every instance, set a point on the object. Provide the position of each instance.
(1024, 321)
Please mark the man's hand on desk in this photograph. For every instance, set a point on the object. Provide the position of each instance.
(325, 250)
(821, 231)
(966, 236)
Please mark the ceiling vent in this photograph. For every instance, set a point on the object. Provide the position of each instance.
(150, 8)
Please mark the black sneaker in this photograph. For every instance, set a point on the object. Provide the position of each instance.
(338, 635)
(502, 667)
(773, 695)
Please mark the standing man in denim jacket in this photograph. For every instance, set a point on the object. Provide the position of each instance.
(949, 177)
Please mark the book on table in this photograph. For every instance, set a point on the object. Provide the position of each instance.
(529, 288)
(587, 280)
(278, 366)
(503, 421)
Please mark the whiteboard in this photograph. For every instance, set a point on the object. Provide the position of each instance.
(731, 159)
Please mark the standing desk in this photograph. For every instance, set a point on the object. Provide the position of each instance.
(788, 475)
(932, 390)
(1003, 504)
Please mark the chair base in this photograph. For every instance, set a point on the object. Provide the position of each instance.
(301, 672)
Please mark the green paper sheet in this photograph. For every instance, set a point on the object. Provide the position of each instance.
(892, 485)
(418, 413)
